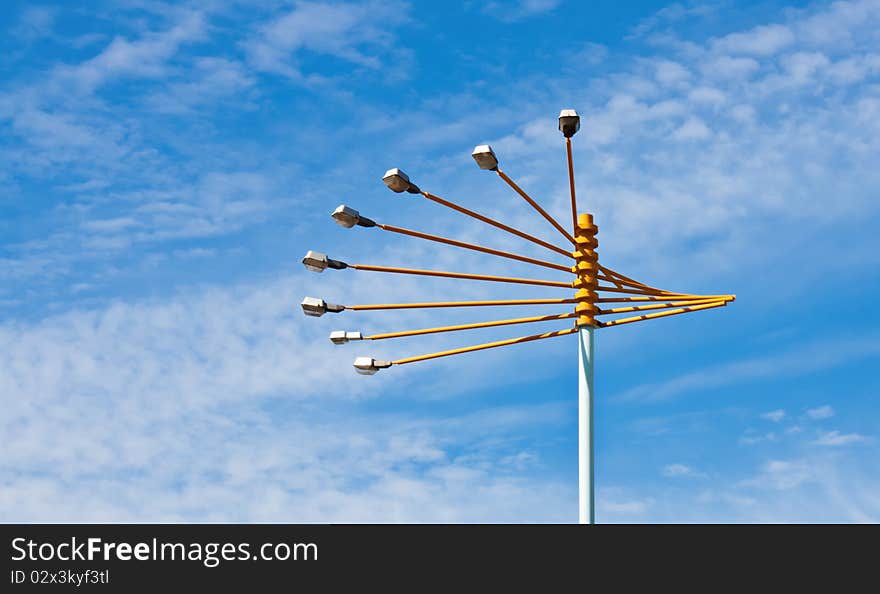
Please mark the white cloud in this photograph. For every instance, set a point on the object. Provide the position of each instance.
(35, 22)
(356, 33)
(625, 507)
(774, 415)
(214, 406)
(211, 81)
(672, 14)
(836, 438)
(762, 40)
(805, 359)
(243, 464)
(670, 73)
(693, 129)
(707, 95)
(751, 438)
(509, 12)
(146, 57)
(728, 67)
(782, 475)
(820, 412)
(680, 470)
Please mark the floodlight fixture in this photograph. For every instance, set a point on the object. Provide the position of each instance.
(569, 122)
(349, 217)
(369, 366)
(319, 262)
(398, 181)
(485, 157)
(315, 307)
(344, 337)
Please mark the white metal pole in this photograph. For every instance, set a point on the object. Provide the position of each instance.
(586, 483)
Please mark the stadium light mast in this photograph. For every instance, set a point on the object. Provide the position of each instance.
(580, 259)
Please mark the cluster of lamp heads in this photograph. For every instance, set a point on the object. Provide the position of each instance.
(397, 181)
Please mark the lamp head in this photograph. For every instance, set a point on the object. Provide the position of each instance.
(343, 337)
(485, 157)
(369, 366)
(319, 262)
(315, 307)
(398, 181)
(315, 261)
(312, 306)
(349, 217)
(569, 122)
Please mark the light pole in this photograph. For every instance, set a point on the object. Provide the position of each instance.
(586, 436)
(582, 261)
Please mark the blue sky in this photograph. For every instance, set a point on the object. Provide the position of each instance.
(166, 166)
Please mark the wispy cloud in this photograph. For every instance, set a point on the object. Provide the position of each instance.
(35, 22)
(510, 12)
(800, 361)
(180, 404)
(358, 33)
(670, 15)
(145, 57)
(836, 439)
(782, 475)
(752, 437)
(774, 415)
(681, 471)
(820, 412)
(763, 40)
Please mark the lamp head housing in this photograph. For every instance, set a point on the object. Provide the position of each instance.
(319, 262)
(398, 181)
(369, 366)
(485, 157)
(569, 122)
(343, 337)
(315, 307)
(349, 217)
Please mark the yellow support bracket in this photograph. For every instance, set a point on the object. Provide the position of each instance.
(586, 268)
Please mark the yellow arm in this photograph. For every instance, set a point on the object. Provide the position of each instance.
(471, 326)
(461, 275)
(488, 345)
(502, 302)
